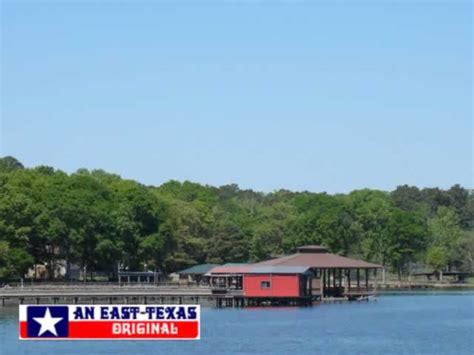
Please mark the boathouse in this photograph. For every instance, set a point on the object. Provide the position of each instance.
(312, 273)
(262, 281)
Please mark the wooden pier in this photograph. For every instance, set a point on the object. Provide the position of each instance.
(106, 295)
(146, 295)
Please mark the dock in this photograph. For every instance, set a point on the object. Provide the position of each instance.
(110, 294)
(113, 294)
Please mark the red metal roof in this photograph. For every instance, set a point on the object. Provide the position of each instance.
(312, 256)
(270, 269)
(319, 260)
(257, 269)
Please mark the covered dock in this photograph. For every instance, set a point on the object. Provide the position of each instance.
(320, 275)
(196, 274)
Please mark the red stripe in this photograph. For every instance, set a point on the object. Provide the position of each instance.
(23, 333)
(104, 330)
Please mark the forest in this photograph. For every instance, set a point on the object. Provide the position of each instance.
(98, 220)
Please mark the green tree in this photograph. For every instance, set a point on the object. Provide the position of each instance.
(406, 239)
(372, 211)
(228, 244)
(19, 262)
(14, 262)
(8, 164)
(4, 262)
(437, 258)
(407, 198)
(466, 256)
(445, 233)
(108, 255)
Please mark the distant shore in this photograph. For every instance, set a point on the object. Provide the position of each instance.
(420, 285)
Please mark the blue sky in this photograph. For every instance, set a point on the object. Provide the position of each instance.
(306, 96)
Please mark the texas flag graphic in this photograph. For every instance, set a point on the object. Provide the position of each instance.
(47, 321)
(74, 322)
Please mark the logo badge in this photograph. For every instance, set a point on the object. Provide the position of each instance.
(51, 322)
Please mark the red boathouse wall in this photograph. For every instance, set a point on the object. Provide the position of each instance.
(280, 285)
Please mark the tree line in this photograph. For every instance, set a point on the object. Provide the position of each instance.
(98, 220)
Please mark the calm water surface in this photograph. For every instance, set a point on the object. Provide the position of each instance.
(438, 323)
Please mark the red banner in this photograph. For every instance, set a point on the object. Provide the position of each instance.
(40, 322)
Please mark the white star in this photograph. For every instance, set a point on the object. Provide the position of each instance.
(47, 323)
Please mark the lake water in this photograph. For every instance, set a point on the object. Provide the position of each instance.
(437, 323)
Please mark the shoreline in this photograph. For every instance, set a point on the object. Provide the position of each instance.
(421, 286)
